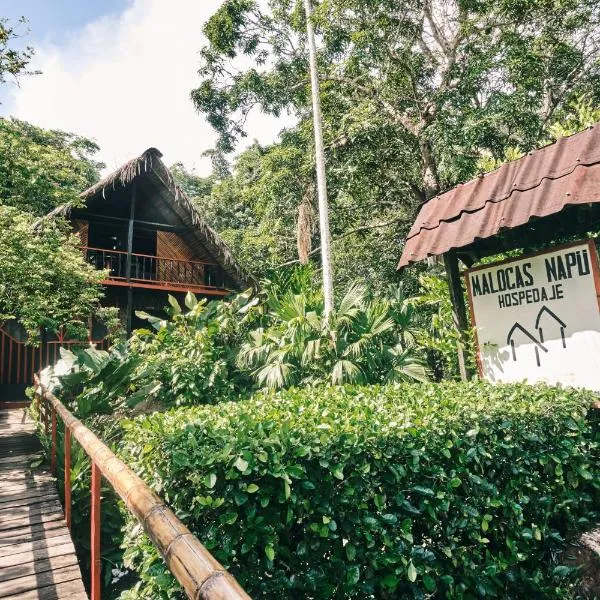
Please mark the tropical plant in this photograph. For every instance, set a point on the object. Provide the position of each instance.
(438, 333)
(580, 113)
(190, 358)
(363, 340)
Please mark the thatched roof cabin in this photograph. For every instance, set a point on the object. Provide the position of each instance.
(168, 202)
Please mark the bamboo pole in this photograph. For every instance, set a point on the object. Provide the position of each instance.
(199, 573)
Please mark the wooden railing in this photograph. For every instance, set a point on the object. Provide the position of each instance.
(155, 269)
(19, 361)
(199, 573)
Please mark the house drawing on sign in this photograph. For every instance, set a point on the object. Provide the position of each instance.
(517, 327)
(139, 225)
(550, 316)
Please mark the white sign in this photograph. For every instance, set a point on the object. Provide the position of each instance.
(537, 317)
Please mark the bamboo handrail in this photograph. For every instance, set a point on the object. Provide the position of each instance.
(199, 573)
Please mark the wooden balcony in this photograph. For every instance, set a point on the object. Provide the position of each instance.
(158, 273)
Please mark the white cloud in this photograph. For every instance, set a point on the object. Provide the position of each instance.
(125, 81)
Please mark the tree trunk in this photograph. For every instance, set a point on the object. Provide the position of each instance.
(431, 182)
(320, 166)
(304, 227)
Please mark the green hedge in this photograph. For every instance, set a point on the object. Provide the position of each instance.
(450, 490)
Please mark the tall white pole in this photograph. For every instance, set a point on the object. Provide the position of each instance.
(320, 156)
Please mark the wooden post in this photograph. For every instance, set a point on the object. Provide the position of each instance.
(45, 405)
(67, 449)
(53, 453)
(129, 251)
(96, 562)
(459, 311)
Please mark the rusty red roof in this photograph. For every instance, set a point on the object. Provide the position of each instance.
(539, 184)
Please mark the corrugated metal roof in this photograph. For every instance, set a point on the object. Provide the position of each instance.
(537, 185)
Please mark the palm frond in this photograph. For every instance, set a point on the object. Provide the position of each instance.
(345, 371)
(350, 304)
(407, 364)
(312, 351)
(274, 375)
(254, 351)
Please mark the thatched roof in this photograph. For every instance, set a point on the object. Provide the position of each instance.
(150, 167)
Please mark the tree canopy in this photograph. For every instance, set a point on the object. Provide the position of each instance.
(44, 281)
(41, 169)
(413, 95)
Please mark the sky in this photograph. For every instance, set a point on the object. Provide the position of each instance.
(121, 72)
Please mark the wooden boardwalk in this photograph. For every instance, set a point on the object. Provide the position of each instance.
(37, 557)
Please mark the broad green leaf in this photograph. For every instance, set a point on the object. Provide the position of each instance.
(270, 552)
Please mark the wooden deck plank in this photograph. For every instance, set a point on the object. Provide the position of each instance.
(29, 546)
(32, 532)
(20, 512)
(30, 490)
(37, 555)
(20, 481)
(28, 500)
(39, 516)
(40, 580)
(70, 590)
(20, 462)
(37, 567)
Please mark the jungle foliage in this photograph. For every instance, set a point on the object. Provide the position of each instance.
(41, 169)
(44, 280)
(209, 352)
(414, 95)
(406, 490)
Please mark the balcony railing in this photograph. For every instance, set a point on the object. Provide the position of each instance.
(156, 270)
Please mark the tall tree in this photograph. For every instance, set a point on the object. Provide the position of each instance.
(451, 75)
(447, 78)
(320, 162)
(413, 95)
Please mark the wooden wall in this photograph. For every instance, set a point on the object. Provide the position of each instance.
(171, 245)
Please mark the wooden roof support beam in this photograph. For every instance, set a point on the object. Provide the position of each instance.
(459, 311)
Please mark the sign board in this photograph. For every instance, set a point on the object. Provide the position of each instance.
(537, 317)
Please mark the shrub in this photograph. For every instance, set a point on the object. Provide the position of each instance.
(454, 490)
